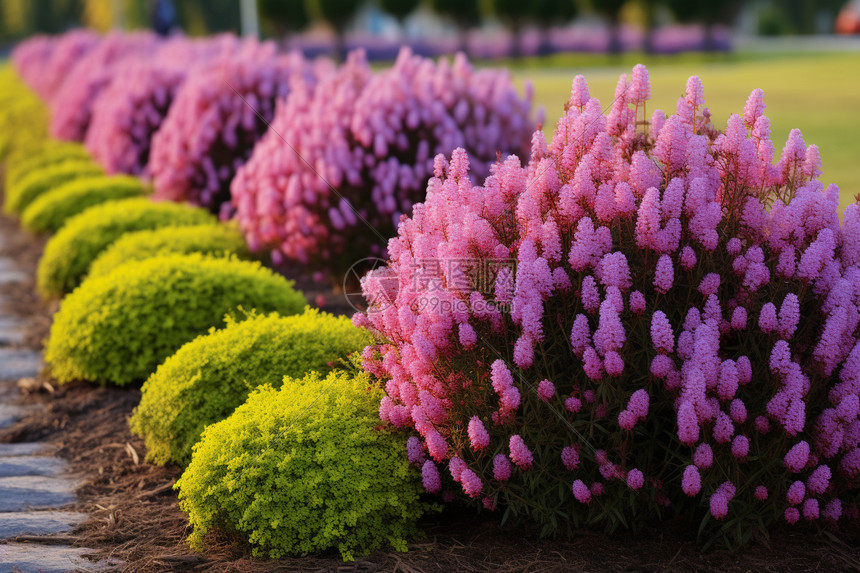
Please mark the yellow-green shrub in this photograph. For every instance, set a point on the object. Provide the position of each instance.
(120, 327)
(50, 152)
(211, 376)
(69, 253)
(23, 116)
(51, 209)
(305, 469)
(212, 239)
(21, 194)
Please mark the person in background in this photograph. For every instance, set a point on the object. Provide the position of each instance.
(163, 17)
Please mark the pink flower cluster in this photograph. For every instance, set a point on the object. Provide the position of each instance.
(30, 57)
(44, 61)
(216, 118)
(73, 104)
(628, 252)
(129, 111)
(345, 159)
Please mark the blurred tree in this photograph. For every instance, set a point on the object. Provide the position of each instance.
(52, 16)
(280, 17)
(400, 9)
(709, 13)
(611, 11)
(13, 17)
(772, 21)
(337, 13)
(801, 13)
(464, 13)
(98, 15)
(101, 15)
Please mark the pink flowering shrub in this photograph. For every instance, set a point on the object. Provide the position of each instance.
(612, 332)
(73, 104)
(44, 62)
(132, 107)
(343, 161)
(218, 115)
(30, 57)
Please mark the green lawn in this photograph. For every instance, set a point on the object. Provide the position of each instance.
(817, 93)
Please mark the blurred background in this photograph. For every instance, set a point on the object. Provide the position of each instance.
(805, 54)
(482, 28)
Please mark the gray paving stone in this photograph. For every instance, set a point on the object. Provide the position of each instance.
(12, 330)
(13, 524)
(19, 363)
(10, 273)
(9, 415)
(25, 449)
(39, 558)
(31, 492)
(31, 466)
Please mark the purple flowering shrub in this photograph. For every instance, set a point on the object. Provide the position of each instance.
(360, 148)
(218, 114)
(132, 107)
(612, 332)
(73, 104)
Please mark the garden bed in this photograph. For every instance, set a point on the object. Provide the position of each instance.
(135, 517)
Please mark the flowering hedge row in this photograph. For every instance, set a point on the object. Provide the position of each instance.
(622, 323)
(75, 99)
(607, 333)
(343, 161)
(217, 117)
(132, 107)
(348, 151)
(139, 301)
(116, 92)
(44, 61)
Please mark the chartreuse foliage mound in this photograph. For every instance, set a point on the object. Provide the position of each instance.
(23, 116)
(22, 193)
(119, 328)
(49, 153)
(51, 209)
(211, 376)
(304, 469)
(210, 239)
(69, 253)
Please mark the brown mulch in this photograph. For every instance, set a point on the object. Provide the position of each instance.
(135, 517)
